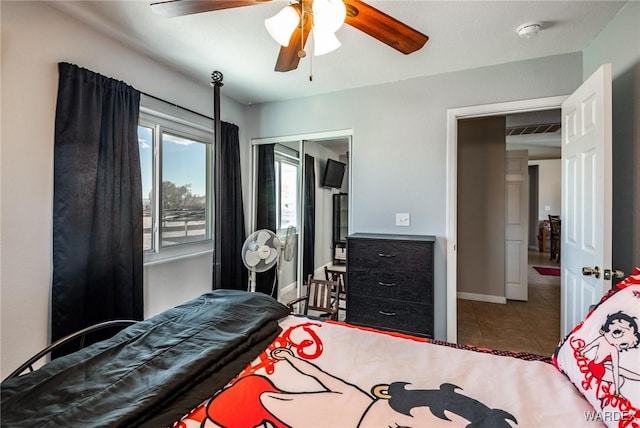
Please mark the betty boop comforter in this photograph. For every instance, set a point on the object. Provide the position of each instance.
(322, 374)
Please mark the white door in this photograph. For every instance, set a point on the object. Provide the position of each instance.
(517, 224)
(586, 197)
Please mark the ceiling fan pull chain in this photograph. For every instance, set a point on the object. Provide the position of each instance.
(311, 57)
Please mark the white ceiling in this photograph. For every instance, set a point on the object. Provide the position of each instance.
(463, 34)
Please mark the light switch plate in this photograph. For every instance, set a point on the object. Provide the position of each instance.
(547, 207)
(403, 219)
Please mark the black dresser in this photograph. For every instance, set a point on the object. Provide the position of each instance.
(390, 282)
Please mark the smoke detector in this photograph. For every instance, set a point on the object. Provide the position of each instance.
(528, 30)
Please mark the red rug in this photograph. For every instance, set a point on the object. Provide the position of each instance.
(550, 271)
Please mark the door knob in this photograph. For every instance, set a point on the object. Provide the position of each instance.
(587, 271)
(613, 274)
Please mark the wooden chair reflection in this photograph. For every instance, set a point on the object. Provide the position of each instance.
(338, 274)
(318, 298)
(554, 236)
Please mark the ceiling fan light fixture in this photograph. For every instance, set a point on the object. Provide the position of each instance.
(324, 42)
(282, 25)
(329, 15)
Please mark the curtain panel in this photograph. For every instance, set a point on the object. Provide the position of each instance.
(309, 228)
(97, 203)
(266, 211)
(234, 274)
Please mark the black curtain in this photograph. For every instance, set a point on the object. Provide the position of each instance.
(309, 230)
(233, 271)
(97, 203)
(266, 211)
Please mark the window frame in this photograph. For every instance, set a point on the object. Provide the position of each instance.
(166, 119)
(283, 154)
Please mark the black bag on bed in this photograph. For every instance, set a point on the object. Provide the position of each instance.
(151, 373)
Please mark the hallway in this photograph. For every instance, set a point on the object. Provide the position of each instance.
(532, 326)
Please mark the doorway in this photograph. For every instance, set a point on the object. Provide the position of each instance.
(513, 306)
(453, 115)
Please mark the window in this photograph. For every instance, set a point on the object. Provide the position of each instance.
(286, 170)
(183, 193)
(175, 159)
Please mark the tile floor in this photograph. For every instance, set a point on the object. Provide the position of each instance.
(532, 326)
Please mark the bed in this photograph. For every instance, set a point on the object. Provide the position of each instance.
(237, 359)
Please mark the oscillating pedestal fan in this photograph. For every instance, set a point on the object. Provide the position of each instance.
(260, 253)
(288, 244)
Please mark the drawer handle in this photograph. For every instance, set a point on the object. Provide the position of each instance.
(386, 255)
(387, 284)
(387, 314)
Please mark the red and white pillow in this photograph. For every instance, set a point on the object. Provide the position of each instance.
(601, 356)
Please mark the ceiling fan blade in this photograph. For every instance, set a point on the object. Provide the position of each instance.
(288, 58)
(173, 8)
(383, 27)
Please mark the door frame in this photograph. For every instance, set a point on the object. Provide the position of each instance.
(453, 115)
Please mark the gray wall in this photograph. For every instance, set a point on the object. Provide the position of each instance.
(481, 208)
(398, 157)
(619, 44)
(549, 187)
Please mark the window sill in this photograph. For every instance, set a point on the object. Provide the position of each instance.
(157, 259)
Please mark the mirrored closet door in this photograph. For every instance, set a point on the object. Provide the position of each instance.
(295, 181)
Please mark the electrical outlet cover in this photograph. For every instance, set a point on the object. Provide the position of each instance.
(403, 219)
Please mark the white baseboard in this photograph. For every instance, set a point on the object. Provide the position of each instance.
(287, 288)
(319, 272)
(482, 297)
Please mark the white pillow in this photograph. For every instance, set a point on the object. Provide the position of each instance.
(601, 356)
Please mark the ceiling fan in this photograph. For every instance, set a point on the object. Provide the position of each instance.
(358, 14)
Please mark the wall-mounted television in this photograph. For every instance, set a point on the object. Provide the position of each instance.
(333, 174)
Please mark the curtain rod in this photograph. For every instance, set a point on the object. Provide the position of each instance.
(216, 82)
(176, 105)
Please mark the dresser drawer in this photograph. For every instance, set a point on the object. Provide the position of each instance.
(389, 314)
(390, 282)
(410, 286)
(398, 256)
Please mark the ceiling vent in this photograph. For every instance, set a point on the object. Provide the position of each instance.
(544, 128)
